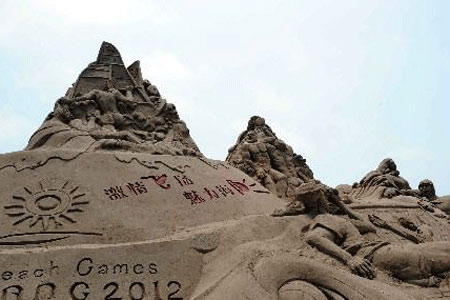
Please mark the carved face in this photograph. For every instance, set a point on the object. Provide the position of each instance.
(388, 166)
(260, 121)
(63, 113)
(426, 188)
(152, 90)
(299, 160)
(251, 137)
(392, 165)
(314, 202)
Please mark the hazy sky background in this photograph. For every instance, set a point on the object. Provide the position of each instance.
(345, 83)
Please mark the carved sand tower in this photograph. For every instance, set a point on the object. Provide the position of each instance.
(112, 199)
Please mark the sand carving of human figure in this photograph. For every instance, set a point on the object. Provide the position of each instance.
(426, 190)
(301, 168)
(423, 264)
(151, 90)
(110, 119)
(384, 182)
(279, 161)
(287, 173)
(106, 100)
(255, 153)
(269, 160)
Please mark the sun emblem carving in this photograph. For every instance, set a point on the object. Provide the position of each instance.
(50, 204)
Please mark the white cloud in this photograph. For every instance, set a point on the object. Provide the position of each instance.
(14, 15)
(164, 66)
(49, 80)
(87, 11)
(13, 127)
(102, 12)
(294, 137)
(269, 101)
(411, 153)
(27, 20)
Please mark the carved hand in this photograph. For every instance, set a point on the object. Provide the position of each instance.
(379, 180)
(361, 267)
(426, 205)
(377, 221)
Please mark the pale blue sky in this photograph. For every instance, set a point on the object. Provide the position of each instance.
(346, 83)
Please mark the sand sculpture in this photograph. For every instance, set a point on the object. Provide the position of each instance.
(383, 182)
(261, 155)
(426, 190)
(110, 107)
(112, 199)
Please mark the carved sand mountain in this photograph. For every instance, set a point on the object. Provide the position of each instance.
(261, 155)
(110, 107)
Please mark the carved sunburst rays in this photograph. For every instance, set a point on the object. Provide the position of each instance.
(51, 203)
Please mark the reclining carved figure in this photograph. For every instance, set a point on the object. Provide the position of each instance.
(424, 264)
(427, 190)
(384, 182)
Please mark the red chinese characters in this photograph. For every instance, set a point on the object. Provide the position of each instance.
(195, 195)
